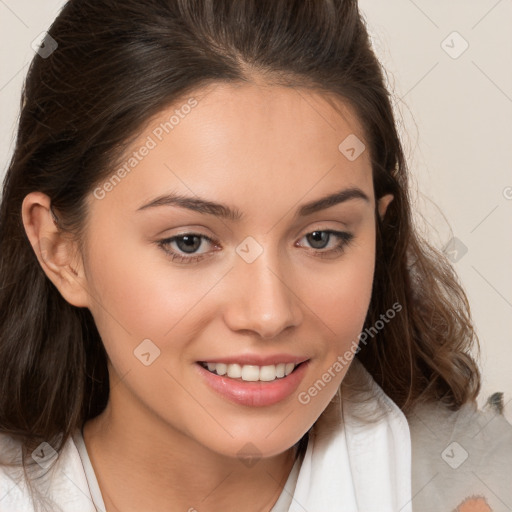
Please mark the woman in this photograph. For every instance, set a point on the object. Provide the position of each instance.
(143, 372)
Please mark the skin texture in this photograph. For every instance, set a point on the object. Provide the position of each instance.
(166, 437)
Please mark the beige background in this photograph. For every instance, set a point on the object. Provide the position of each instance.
(454, 106)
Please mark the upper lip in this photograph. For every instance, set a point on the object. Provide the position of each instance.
(257, 359)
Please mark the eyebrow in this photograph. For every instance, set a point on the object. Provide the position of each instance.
(204, 206)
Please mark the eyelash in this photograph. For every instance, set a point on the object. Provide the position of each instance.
(345, 240)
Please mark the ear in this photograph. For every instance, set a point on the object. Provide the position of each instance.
(383, 203)
(56, 252)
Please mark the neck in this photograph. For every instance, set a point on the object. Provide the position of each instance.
(142, 467)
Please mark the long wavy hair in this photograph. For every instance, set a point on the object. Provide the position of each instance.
(119, 63)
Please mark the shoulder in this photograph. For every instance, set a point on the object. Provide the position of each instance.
(461, 460)
(56, 481)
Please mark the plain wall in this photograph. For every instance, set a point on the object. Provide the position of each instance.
(454, 108)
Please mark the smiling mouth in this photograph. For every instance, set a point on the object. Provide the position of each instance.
(251, 373)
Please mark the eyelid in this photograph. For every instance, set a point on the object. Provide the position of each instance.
(192, 229)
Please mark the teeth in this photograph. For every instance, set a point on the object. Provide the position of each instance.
(221, 368)
(251, 373)
(234, 371)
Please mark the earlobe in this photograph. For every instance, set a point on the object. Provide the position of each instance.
(54, 249)
(383, 204)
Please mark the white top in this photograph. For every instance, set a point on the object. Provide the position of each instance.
(350, 464)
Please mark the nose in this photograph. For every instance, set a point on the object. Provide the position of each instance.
(262, 298)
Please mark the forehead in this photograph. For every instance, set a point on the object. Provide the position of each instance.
(263, 142)
(300, 121)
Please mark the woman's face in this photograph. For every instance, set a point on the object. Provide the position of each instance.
(256, 278)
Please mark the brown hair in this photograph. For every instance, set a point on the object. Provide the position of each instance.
(117, 64)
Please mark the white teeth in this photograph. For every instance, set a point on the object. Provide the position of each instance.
(251, 373)
(221, 368)
(234, 371)
(288, 368)
(280, 369)
(268, 373)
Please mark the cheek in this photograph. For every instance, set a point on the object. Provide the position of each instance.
(342, 306)
(134, 295)
(342, 296)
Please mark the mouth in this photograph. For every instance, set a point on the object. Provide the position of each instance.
(251, 373)
(253, 385)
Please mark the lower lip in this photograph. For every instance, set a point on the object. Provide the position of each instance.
(255, 394)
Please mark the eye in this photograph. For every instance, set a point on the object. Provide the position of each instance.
(319, 240)
(187, 243)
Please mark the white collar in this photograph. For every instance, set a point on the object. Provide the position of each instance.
(352, 464)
